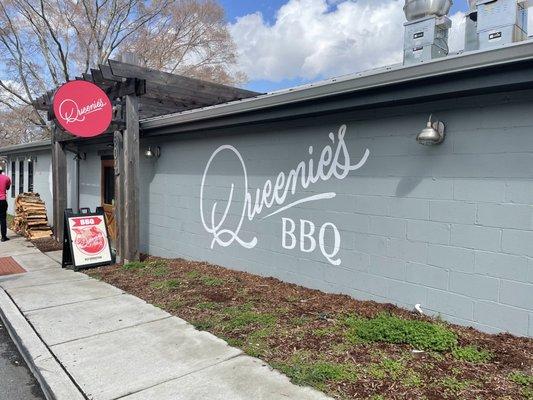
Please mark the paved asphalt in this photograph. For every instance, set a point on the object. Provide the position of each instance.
(16, 380)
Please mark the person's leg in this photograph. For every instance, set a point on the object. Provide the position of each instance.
(3, 218)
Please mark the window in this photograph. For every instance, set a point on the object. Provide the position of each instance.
(21, 177)
(109, 185)
(30, 176)
(13, 176)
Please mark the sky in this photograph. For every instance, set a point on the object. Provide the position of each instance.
(285, 43)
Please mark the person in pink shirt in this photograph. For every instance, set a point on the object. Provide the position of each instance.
(5, 184)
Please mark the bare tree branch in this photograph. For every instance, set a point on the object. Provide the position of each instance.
(44, 43)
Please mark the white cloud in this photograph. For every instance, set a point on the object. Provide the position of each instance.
(319, 38)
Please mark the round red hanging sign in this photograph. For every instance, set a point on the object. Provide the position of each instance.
(82, 108)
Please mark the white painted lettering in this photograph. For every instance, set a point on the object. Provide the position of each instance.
(286, 233)
(307, 235)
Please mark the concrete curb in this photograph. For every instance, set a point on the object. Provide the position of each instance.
(54, 381)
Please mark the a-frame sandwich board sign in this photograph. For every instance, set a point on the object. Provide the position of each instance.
(86, 239)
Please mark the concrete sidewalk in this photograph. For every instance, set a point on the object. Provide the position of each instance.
(86, 339)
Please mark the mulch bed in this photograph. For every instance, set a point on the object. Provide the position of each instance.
(303, 333)
(47, 244)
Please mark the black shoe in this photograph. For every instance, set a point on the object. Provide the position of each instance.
(4, 239)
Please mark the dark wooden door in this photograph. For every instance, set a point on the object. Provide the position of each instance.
(108, 197)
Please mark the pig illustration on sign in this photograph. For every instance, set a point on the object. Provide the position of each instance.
(90, 240)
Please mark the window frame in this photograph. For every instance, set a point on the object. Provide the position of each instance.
(30, 175)
(21, 176)
(13, 178)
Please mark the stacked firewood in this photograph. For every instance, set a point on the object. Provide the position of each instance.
(30, 217)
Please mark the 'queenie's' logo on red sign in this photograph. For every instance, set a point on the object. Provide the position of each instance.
(82, 108)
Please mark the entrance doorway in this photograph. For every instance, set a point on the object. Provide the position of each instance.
(108, 197)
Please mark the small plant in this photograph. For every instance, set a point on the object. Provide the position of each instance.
(453, 385)
(392, 329)
(471, 354)
(412, 379)
(157, 268)
(192, 275)
(167, 284)
(317, 374)
(525, 381)
(176, 304)
(234, 342)
(387, 368)
(240, 317)
(203, 325)
(521, 378)
(207, 305)
(211, 281)
(134, 266)
(256, 344)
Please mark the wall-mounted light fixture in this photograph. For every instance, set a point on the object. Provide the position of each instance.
(432, 134)
(31, 159)
(153, 152)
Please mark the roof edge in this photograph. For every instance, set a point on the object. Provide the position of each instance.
(21, 148)
(387, 76)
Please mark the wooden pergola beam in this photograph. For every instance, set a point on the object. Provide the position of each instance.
(159, 79)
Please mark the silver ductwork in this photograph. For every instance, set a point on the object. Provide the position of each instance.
(416, 9)
(426, 30)
(495, 23)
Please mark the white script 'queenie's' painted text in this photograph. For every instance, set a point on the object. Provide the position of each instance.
(334, 162)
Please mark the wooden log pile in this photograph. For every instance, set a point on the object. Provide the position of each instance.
(30, 217)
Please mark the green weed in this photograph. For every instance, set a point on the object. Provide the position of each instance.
(392, 329)
(318, 373)
(521, 378)
(207, 305)
(192, 275)
(256, 344)
(134, 266)
(158, 268)
(203, 325)
(471, 354)
(167, 284)
(176, 304)
(412, 379)
(524, 380)
(240, 317)
(453, 385)
(211, 281)
(322, 332)
(387, 368)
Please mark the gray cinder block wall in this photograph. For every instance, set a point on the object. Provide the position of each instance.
(449, 227)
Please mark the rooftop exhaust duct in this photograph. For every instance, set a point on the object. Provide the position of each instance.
(494, 23)
(426, 30)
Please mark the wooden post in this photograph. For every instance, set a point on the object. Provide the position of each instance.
(131, 158)
(118, 147)
(59, 183)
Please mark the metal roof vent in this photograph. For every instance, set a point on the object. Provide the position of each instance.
(494, 23)
(426, 30)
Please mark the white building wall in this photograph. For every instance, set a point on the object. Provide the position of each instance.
(42, 178)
